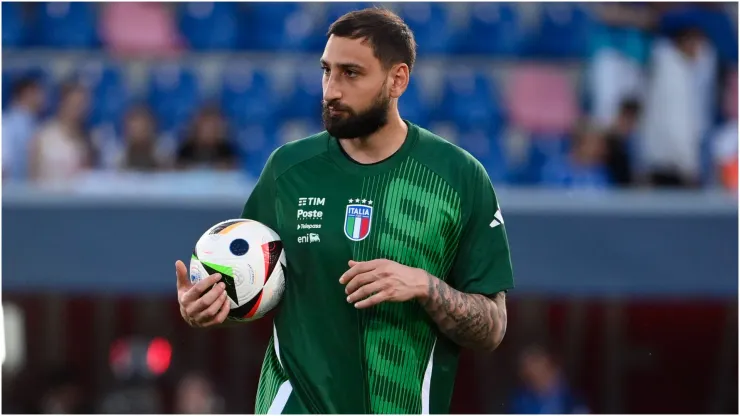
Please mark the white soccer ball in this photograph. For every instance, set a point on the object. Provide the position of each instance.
(251, 260)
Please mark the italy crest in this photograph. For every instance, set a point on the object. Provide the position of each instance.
(357, 219)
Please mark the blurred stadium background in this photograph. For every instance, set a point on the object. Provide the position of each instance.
(610, 131)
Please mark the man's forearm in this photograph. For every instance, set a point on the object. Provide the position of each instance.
(470, 320)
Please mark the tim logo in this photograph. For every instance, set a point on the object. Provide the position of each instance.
(357, 221)
(302, 202)
(309, 238)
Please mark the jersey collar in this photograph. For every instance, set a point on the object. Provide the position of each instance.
(347, 164)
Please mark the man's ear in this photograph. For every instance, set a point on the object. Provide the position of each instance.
(398, 79)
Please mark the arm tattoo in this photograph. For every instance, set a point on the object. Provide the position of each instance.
(470, 320)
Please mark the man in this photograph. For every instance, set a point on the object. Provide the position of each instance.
(673, 124)
(397, 253)
(619, 143)
(19, 126)
(544, 389)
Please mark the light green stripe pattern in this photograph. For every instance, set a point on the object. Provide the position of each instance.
(417, 222)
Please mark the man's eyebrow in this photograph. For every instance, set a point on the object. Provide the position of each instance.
(345, 65)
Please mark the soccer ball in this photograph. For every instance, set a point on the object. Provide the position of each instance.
(251, 260)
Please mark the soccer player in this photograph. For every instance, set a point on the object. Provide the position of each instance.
(396, 248)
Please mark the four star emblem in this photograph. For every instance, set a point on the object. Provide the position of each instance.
(358, 200)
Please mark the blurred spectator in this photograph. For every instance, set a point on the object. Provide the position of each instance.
(729, 95)
(195, 395)
(63, 148)
(207, 145)
(140, 151)
(724, 152)
(673, 118)
(137, 397)
(619, 140)
(19, 126)
(544, 388)
(136, 28)
(582, 167)
(620, 51)
(64, 394)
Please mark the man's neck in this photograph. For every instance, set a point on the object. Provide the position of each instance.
(378, 146)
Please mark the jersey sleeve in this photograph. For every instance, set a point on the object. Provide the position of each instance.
(483, 262)
(260, 205)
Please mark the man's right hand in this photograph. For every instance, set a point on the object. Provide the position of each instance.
(197, 309)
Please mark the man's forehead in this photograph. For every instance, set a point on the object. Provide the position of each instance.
(349, 51)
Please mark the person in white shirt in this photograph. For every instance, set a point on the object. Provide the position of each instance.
(674, 120)
(62, 149)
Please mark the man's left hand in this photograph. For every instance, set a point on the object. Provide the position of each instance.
(383, 280)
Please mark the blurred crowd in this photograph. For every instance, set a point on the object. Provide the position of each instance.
(653, 102)
(541, 387)
(61, 390)
(61, 146)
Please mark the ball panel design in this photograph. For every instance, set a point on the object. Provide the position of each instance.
(272, 252)
(227, 277)
(239, 247)
(225, 227)
(273, 290)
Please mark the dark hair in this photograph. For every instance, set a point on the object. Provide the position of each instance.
(140, 109)
(69, 87)
(24, 85)
(391, 39)
(683, 33)
(208, 110)
(630, 107)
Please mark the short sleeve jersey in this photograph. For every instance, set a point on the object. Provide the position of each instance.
(430, 205)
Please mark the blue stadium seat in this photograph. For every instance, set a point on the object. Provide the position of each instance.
(67, 25)
(256, 142)
(335, 10)
(563, 173)
(485, 145)
(304, 100)
(565, 31)
(292, 129)
(495, 29)
(412, 105)
(210, 25)
(470, 100)
(247, 96)
(262, 24)
(15, 28)
(303, 31)
(173, 94)
(544, 151)
(430, 24)
(107, 91)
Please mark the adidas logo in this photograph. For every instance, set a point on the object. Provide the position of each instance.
(497, 219)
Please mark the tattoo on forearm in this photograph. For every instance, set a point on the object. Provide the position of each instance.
(470, 320)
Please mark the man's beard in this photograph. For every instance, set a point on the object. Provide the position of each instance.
(353, 125)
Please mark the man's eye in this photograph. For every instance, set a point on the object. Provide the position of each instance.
(351, 74)
(326, 70)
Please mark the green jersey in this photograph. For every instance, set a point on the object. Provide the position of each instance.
(431, 206)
